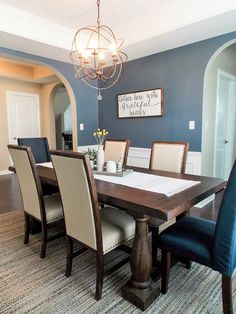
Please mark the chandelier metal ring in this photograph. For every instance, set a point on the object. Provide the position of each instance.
(97, 56)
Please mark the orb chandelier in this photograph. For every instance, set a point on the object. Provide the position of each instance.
(97, 56)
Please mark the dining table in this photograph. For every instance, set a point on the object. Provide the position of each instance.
(142, 204)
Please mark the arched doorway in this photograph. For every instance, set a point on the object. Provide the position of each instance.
(68, 89)
(63, 118)
(218, 118)
(37, 85)
(73, 108)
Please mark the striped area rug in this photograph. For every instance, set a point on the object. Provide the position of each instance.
(33, 285)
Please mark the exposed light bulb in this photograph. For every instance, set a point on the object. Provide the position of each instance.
(93, 44)
(102, 56)
(114, 49)
(86, 54)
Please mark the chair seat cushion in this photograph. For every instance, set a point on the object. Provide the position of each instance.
(155, 222)
(53, 207)
(160, 224)
(190, 237)
(117, 228)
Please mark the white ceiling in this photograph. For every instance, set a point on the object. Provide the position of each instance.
(46, 27)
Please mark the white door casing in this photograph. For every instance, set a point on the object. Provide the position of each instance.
(23, 115)
(225, 124)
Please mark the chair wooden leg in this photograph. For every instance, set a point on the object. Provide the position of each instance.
(69, 256)
(27, 229)
(155, 234)
(100, 275)
(165, 270)
(187, 262)
(44, 241)
(227, 294)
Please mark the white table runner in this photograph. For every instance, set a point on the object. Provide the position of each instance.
(149, 182)
(46, 164)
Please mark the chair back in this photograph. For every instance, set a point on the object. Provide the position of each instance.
(39, 147)
(29, 181)
(79, 197)
(116, 150)
(224, 252)
(169, 156)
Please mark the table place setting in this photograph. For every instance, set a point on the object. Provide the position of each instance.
(97, 158)
(116, 173)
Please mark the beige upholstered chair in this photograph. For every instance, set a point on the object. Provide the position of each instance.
(116, 150)
(166, 156)
(100, 230)
(169, 156)
(45, 209)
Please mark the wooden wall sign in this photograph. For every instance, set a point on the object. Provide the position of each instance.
(140, 104)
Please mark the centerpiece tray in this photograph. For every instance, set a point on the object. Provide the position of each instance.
(123, 173)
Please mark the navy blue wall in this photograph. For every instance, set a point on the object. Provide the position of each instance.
(86, 97)
(181, 73)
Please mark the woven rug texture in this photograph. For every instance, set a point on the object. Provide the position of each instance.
(33, 285)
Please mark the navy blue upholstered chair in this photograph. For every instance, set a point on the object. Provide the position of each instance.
(39, 147)
(206, 242)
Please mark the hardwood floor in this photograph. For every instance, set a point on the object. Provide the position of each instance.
(209, 211)
(10, 196)
(10, 199)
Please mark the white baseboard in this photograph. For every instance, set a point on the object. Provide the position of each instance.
(139, 157)
(205, 201)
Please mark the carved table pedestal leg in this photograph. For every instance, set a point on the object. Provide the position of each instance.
(140, 290)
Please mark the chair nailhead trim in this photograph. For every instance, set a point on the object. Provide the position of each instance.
(54, 219)
(117, 244)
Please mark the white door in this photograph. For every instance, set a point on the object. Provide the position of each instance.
(225, 124)
(23, 115)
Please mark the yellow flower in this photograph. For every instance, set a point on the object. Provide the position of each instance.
(100, 135)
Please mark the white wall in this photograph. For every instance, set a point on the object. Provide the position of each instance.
(67, 119)
(62, 100)
(226, 61)
(62, 103)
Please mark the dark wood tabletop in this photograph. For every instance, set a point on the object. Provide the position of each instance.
(145, 202)
(140, 289)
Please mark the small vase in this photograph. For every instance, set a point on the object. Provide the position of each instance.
(92, 163)
(100, 158)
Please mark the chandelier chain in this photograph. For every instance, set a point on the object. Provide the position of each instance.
(98, 18)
